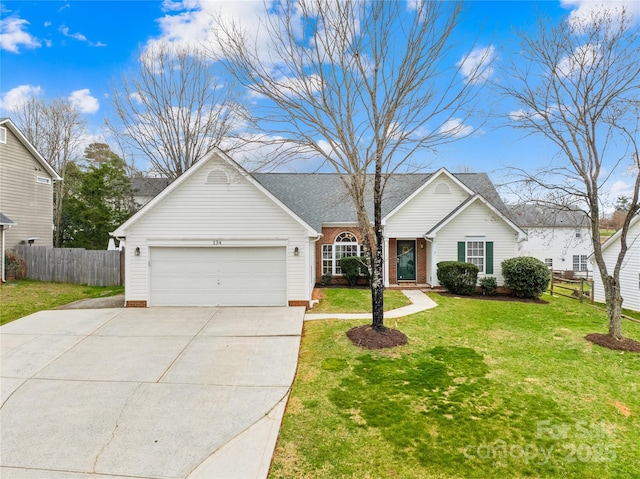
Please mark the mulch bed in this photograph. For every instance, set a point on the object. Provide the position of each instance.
(607, 341)
(366, 337)
(496, 297)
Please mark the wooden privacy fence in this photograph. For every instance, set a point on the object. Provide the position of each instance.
(73, 265)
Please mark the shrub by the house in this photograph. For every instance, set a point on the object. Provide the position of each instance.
(354, 267)
(527, 277)
(488, 285)
(458, 277)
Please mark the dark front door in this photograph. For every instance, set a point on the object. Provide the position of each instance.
(406, 270)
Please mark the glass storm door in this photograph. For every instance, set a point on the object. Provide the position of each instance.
(406, 270)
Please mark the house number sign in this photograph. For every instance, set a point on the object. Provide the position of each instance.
(217, 242)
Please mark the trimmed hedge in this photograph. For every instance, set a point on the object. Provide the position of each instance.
(458, 277)
(527, 277)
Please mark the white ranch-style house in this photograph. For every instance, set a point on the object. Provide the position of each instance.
(220, 236)
(559, 237)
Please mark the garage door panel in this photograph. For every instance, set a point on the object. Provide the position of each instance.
(254, 276)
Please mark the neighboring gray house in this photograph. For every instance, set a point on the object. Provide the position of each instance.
(26, 189)
(629, 271)
(220, 236)
(561, 238)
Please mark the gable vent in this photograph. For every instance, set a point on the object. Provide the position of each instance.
(217, 177)
(442, 189)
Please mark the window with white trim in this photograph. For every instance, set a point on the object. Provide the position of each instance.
(475, 254)
(579, 262)
(345, 244)
(578, 233)
(43, 180)
(3, 134)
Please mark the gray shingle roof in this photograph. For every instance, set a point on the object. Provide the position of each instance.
(6, 221)
(320, 198)
(532, 215)
(142, 186)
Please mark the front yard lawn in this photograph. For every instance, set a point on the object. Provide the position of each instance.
(348, 300)
(484, 389)
(24, 297)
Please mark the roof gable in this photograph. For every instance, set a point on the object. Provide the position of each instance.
(217, 154)
(438, 174)
(7, 123)
(463, 206)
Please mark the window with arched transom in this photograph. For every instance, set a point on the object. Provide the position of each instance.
(345, 244)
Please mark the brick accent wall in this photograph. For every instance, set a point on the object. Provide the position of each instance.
(393, 261)
(329, 236)
(136, 304)
(301, 302)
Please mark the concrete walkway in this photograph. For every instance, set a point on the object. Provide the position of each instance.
(154, 393)
(420, 302)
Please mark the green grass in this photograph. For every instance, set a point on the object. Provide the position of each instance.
(346, 300)
(477, 377)
(21, 298)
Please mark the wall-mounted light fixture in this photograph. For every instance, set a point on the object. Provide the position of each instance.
(296, 251)
(137, 252)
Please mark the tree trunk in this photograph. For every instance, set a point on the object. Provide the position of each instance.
(614, 307)
(377, 278)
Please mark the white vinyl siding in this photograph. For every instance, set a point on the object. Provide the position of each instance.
(559, 245)
(425, 210)
(235, 214)
(23, 198)
(629, 272)
(477, 220)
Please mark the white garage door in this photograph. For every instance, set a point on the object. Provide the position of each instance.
(251, 276)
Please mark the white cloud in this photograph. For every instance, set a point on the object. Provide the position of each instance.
(191, 23)
(583, 10)
(77, 36)
(14, 34)
(80, 37)
(83, 101)
(14, 98)
(477, 65)
(583, 57)
(456, 128)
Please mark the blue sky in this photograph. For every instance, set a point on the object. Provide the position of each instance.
(77, 49)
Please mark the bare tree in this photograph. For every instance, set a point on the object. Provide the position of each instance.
(363, 85)
(578, 86)
(172, 109)
(55, 129)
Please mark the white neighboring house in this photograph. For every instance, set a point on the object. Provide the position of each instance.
(560, 238)
(629, 271)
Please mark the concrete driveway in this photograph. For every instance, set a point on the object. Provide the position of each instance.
(145, 393)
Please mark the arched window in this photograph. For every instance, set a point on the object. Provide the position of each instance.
(217, 177)
(442, 189)
(345, 244)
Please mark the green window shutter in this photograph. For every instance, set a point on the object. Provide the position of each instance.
(489, 257)
(461, 251)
